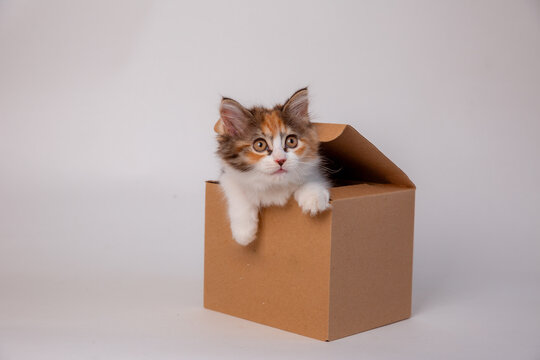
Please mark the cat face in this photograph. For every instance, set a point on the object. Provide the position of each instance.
(279, 144)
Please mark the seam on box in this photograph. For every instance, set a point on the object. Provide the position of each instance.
(371, 195)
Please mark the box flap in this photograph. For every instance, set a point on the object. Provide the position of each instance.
(351, 157)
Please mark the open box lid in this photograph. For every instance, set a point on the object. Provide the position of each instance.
(351, 157)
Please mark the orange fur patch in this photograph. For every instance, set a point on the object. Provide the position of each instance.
(253, 157)
(309, 146)
(272, 124)
(300, 150)
(240, 146)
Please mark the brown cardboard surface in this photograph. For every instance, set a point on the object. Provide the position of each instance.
(344, 271)
(274, 281)
(371, 261)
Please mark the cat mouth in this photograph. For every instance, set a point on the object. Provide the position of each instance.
(279, 171)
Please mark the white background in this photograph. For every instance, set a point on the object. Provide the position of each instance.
(106, 115)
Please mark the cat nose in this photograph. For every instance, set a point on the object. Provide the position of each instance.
(281, 161)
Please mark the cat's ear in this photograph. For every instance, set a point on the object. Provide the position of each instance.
(234, 118)
(296, 108)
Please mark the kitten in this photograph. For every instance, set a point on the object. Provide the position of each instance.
(267, 156)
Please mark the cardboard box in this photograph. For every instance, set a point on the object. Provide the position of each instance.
(344, 271)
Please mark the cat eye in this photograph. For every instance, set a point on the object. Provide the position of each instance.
(291, 141)
(260, 145)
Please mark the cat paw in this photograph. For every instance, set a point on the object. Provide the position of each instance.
(243, 234)
(313, 199)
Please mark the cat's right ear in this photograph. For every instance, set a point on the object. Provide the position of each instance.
(234, 118)
(296, 108)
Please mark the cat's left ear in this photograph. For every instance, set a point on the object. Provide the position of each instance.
(296, 108)
(234, 118)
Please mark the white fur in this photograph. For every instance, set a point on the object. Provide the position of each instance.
(247, 191)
